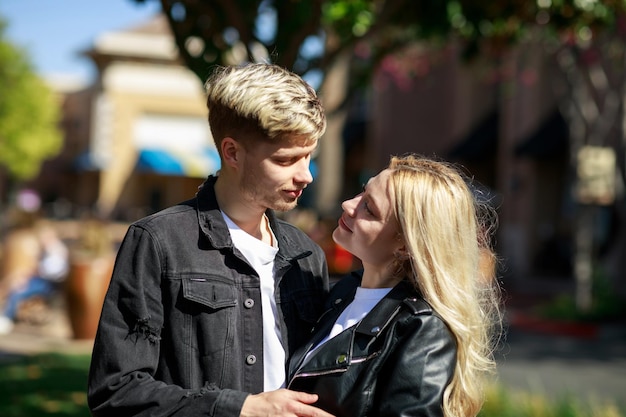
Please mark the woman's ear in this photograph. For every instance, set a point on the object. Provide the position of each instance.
(401, 253)
(231, 151)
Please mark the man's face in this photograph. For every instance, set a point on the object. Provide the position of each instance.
(274, 175)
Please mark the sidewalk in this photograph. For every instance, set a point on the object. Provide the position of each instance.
(560, 359)
(53, 336)
(555, 366)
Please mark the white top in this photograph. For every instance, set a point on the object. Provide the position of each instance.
(364, 301)
(261, 256)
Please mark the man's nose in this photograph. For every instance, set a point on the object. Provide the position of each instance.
(303, 175)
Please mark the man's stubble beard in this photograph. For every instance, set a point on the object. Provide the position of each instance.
(250, 189)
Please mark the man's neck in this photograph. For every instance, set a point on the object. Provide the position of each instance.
(249, 219)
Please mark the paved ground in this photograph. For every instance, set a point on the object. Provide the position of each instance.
(54, 336)
(590, 369)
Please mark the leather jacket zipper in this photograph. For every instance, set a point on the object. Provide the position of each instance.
(318, 373)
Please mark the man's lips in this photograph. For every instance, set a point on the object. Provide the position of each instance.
(294, 193)
(343, 224)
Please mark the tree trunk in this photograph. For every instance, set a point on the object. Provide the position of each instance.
(333, 94)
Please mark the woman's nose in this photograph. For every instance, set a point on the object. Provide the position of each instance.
(349, 206)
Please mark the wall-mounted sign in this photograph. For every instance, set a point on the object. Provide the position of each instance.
(596, 175)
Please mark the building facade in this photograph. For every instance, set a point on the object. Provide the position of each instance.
(136, 139)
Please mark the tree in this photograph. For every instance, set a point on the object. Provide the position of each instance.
(29, 115)
(316, 37)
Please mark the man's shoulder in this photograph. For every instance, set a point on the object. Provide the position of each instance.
(169, 214)
(293, 232)
(294, 240)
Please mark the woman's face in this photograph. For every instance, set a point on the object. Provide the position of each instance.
(368, 228)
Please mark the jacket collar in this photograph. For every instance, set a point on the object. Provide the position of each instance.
(343, 348)
(383, 313)
(216, 231)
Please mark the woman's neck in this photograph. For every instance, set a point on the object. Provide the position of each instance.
(374, 277)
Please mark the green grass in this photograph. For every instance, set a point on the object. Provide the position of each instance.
(54, 384)
(501, 403)
(44, 385)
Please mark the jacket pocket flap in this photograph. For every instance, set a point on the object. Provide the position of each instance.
(209, 292)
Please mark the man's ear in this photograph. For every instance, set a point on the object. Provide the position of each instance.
(231, 151)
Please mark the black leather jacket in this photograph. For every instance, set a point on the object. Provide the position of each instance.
(181, 327)
(396, 362)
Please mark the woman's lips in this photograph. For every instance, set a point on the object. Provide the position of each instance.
(343, 224)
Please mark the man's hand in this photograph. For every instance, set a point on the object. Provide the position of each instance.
(282, 403)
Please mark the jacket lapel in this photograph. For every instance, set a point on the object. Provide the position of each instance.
(352, 344)
(382, 314)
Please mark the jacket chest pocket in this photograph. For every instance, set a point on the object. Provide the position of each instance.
(207, 291)
(209, 308)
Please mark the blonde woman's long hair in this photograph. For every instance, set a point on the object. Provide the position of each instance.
(451, 263)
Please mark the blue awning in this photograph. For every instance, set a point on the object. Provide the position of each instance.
(173, 162)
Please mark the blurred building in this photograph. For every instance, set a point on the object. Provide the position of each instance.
(500, 121)
(137, 139)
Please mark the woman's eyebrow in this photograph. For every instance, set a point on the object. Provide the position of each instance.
(372, 201)
(373, 205)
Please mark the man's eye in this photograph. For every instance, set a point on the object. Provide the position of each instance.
(367, 208)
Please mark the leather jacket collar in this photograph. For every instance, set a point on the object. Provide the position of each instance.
(354, 343)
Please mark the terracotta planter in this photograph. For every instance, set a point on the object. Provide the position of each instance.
(85, 288)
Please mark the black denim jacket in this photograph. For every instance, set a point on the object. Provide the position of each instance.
(181, 326)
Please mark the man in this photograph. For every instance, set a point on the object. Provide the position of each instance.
(209, 297)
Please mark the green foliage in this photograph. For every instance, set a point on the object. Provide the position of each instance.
(501, 403)
(350, 19)
(29, 115)
(606, 305)
(384, 24)
(44, 385)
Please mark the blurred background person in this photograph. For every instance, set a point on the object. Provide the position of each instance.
(34, 260)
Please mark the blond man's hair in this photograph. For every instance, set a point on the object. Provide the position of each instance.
(262, 102)
(450, 264)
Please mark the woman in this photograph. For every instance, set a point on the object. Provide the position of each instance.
(411, 333)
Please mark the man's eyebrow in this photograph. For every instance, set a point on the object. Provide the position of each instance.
(293, 152)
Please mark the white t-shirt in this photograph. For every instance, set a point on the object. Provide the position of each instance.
(261, 256)
(364, 301)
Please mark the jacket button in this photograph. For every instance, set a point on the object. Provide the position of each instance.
(338, 300)
(250, 359)
(375, 329)
(249, 303)
(341, 359)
